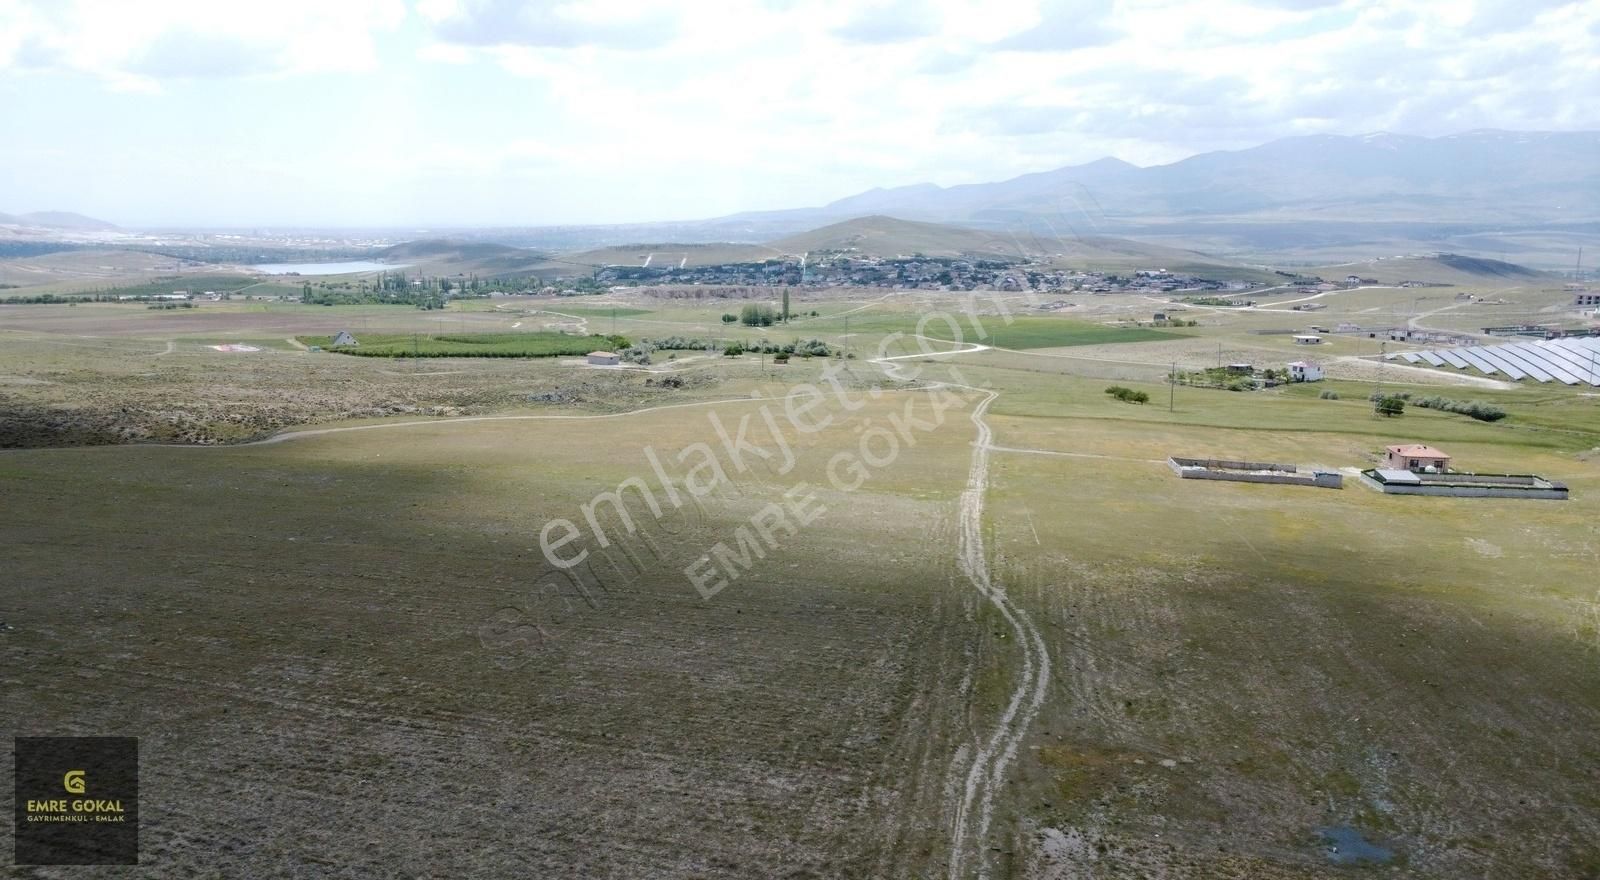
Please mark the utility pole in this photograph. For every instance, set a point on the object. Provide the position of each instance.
(1172, 389)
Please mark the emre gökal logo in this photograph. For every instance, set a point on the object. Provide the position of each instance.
(63, 810)
(97, 822)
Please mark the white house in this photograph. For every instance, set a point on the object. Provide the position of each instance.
(604, 358)
(344, 338)
(1307, 339)
(1301, 371)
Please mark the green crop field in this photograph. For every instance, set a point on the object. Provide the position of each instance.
(483, 345)
(1031, 332)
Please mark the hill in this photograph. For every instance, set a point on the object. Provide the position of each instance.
(882, 236)
(439, 256)
(58, 220)
(668, 254)
(1437, 269)
(87, 267)
(871, 236)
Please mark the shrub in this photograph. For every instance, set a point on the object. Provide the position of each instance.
(1477, 409)
(1329, 395)
(729, 317)
(1128, 395)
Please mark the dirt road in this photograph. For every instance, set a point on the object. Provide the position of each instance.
(974, 811)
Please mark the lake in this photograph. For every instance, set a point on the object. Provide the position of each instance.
(340, 268)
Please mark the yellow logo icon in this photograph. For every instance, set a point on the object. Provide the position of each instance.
(73, 781)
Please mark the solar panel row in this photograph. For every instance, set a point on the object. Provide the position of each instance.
(1570, 361)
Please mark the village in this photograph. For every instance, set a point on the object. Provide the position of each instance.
(915, 272)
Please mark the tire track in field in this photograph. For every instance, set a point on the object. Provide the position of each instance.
(974, 811)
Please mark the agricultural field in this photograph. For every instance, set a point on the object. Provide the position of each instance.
(469, 345)
(1021, 647)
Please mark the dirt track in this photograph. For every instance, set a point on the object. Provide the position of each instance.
(974, 809)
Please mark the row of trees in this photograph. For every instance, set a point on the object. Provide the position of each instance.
(1393, 404)
(761, 314)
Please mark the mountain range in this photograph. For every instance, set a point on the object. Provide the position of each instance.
(56, 220)
(1311, 192)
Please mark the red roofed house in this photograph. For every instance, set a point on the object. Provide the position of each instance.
(1415, 457)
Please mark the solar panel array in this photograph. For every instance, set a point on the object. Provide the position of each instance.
(1574, 360)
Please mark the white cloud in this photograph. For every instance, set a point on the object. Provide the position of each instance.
(618, 109)
(138, 45)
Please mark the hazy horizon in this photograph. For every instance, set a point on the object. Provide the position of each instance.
(440, 114)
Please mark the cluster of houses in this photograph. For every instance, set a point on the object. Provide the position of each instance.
(914, 273)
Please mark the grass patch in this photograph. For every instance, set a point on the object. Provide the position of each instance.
(1026, 333)
(491, 345)
(598, 311)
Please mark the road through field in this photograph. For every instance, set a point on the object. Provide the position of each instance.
(974, 811)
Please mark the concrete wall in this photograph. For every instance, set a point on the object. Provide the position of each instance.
(1535, 488)
(1232, 465)
(1476, 491)
(1286, 474)
(1485, 479)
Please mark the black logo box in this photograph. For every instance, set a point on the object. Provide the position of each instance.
(110, 772)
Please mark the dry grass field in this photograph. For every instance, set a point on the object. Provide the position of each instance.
(352, 629)
(355, 635)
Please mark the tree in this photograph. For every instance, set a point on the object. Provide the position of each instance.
(757, 315)
(1390, 406)
(786, 305)
(729, 318)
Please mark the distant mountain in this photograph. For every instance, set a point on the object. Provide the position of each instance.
(1483, 176)
(1376, 193)
(58, 220)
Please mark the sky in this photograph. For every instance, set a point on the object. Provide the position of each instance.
(491, 112)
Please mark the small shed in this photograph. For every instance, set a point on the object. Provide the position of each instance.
(1307, 339)
(344, 338)
(1244, 369)
(1415, 457)
(1304, 371)
(604, 358)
